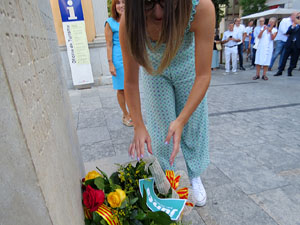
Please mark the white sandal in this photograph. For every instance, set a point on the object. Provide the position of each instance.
(126, 122)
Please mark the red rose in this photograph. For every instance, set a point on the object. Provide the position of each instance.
(92, 198)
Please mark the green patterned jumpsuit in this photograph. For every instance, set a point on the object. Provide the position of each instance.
(165, 97)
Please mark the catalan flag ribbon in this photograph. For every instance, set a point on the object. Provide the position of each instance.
(87, 213)
(174, 182)
(107, 214)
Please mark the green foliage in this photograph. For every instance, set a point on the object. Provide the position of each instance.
(100, 183)
(109, 7)
(253, 6)
(219, 12)
(96, 218)
(87, 222)
(133, 210)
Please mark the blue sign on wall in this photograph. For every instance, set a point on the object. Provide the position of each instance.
(71, 10)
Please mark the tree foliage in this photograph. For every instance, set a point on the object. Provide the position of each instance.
(109, 7)
(253, 6)
(219, 12)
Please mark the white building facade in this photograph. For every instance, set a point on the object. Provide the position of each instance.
(288, 4)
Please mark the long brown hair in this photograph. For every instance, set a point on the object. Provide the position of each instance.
(113, 10)
(174, 24)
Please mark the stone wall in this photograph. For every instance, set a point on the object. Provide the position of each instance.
(40, 161)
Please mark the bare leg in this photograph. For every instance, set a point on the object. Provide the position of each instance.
(265, 72)
(258, 67)
(257, 73)
(122, 103)
(126, 117)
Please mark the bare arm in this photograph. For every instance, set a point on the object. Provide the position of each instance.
(250, 39)
(132, 95)
(225, 41)
(261, 32)
(109, 46)
(204, 21)
(273, 36)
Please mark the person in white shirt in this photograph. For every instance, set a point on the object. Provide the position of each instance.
(265, 48)
(241, 30)
(281, 39)
(260, 24)
(231, 40)
(249, 30)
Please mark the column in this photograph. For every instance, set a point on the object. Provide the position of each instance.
(40, 161)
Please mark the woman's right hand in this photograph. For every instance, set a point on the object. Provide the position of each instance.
(141, 137)
(112, 69)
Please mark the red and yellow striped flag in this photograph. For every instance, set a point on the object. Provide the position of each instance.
(106, 213)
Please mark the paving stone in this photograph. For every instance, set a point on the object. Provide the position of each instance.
(107, 91)
(245, 172)
(282, 204)
(93, 135)
(213, 177)
(90, 103)
(228, 205)
(113, 118)
(91, 92)
(193, 219)
(121, 147)
(293, 176)
(92, 118)
(271, 156)
(98, 150)
(110, 102)
(122, 133)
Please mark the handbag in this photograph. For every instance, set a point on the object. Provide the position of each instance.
(256, 41)
(219, 46)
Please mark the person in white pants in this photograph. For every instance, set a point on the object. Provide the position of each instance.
(230, 40)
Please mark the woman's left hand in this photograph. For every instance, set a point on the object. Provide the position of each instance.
(175, 131)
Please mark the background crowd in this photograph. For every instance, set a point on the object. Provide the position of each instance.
(261, 44)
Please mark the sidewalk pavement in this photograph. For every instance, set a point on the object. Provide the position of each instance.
(254, 175)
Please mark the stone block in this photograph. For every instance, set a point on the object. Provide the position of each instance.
(93, 135)
(228, 205)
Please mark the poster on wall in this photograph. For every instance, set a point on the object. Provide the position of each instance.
(76, 41)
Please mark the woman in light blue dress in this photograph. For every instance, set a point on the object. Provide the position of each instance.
(172, 40)
(114, 56)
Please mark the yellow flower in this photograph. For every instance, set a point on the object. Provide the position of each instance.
(122, 178)
(115, 199)
(92, 175)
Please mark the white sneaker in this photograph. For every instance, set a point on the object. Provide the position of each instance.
(199, 191)
(226, 73)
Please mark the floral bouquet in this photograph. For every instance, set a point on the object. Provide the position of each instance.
(119, 199)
